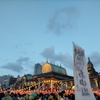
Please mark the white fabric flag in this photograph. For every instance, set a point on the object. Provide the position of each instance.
(83, 90)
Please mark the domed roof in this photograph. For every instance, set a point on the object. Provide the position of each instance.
(48, 67)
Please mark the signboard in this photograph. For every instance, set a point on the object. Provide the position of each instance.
(83, 89)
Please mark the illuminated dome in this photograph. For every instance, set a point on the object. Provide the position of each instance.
(48, 67)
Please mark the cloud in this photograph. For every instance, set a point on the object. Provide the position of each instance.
(29, 44)
(21, 60)
(95, 58)
(25, 70)
(25, 44)
(48, 53)
(63, 20)
(18, 45)
(24, 52)
(42, 63)
(18, 65)
(13, 66)
(65, 59)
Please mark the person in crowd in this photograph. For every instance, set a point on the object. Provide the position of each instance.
(15, 97)
(60, 96)
(45, 97)
(26, 97)
(7, 96)
(40, 96)
(22, 97)
(11, 94)
(19, 96)
(96, 96)
(72, 97)
(1, 94)
(52, 96)
(65, 97)
(31, 97)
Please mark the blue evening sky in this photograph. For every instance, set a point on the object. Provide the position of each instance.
(33, 31)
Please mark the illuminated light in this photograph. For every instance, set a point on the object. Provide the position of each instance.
(46, 68)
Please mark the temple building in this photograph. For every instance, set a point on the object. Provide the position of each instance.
(93, 75)
(91, 70)
(55, 78)
(52, 78)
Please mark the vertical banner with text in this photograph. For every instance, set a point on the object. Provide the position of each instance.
(83, 89)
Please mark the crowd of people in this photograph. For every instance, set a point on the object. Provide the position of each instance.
(37, 95)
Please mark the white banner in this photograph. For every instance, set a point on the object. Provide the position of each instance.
(83, 89)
